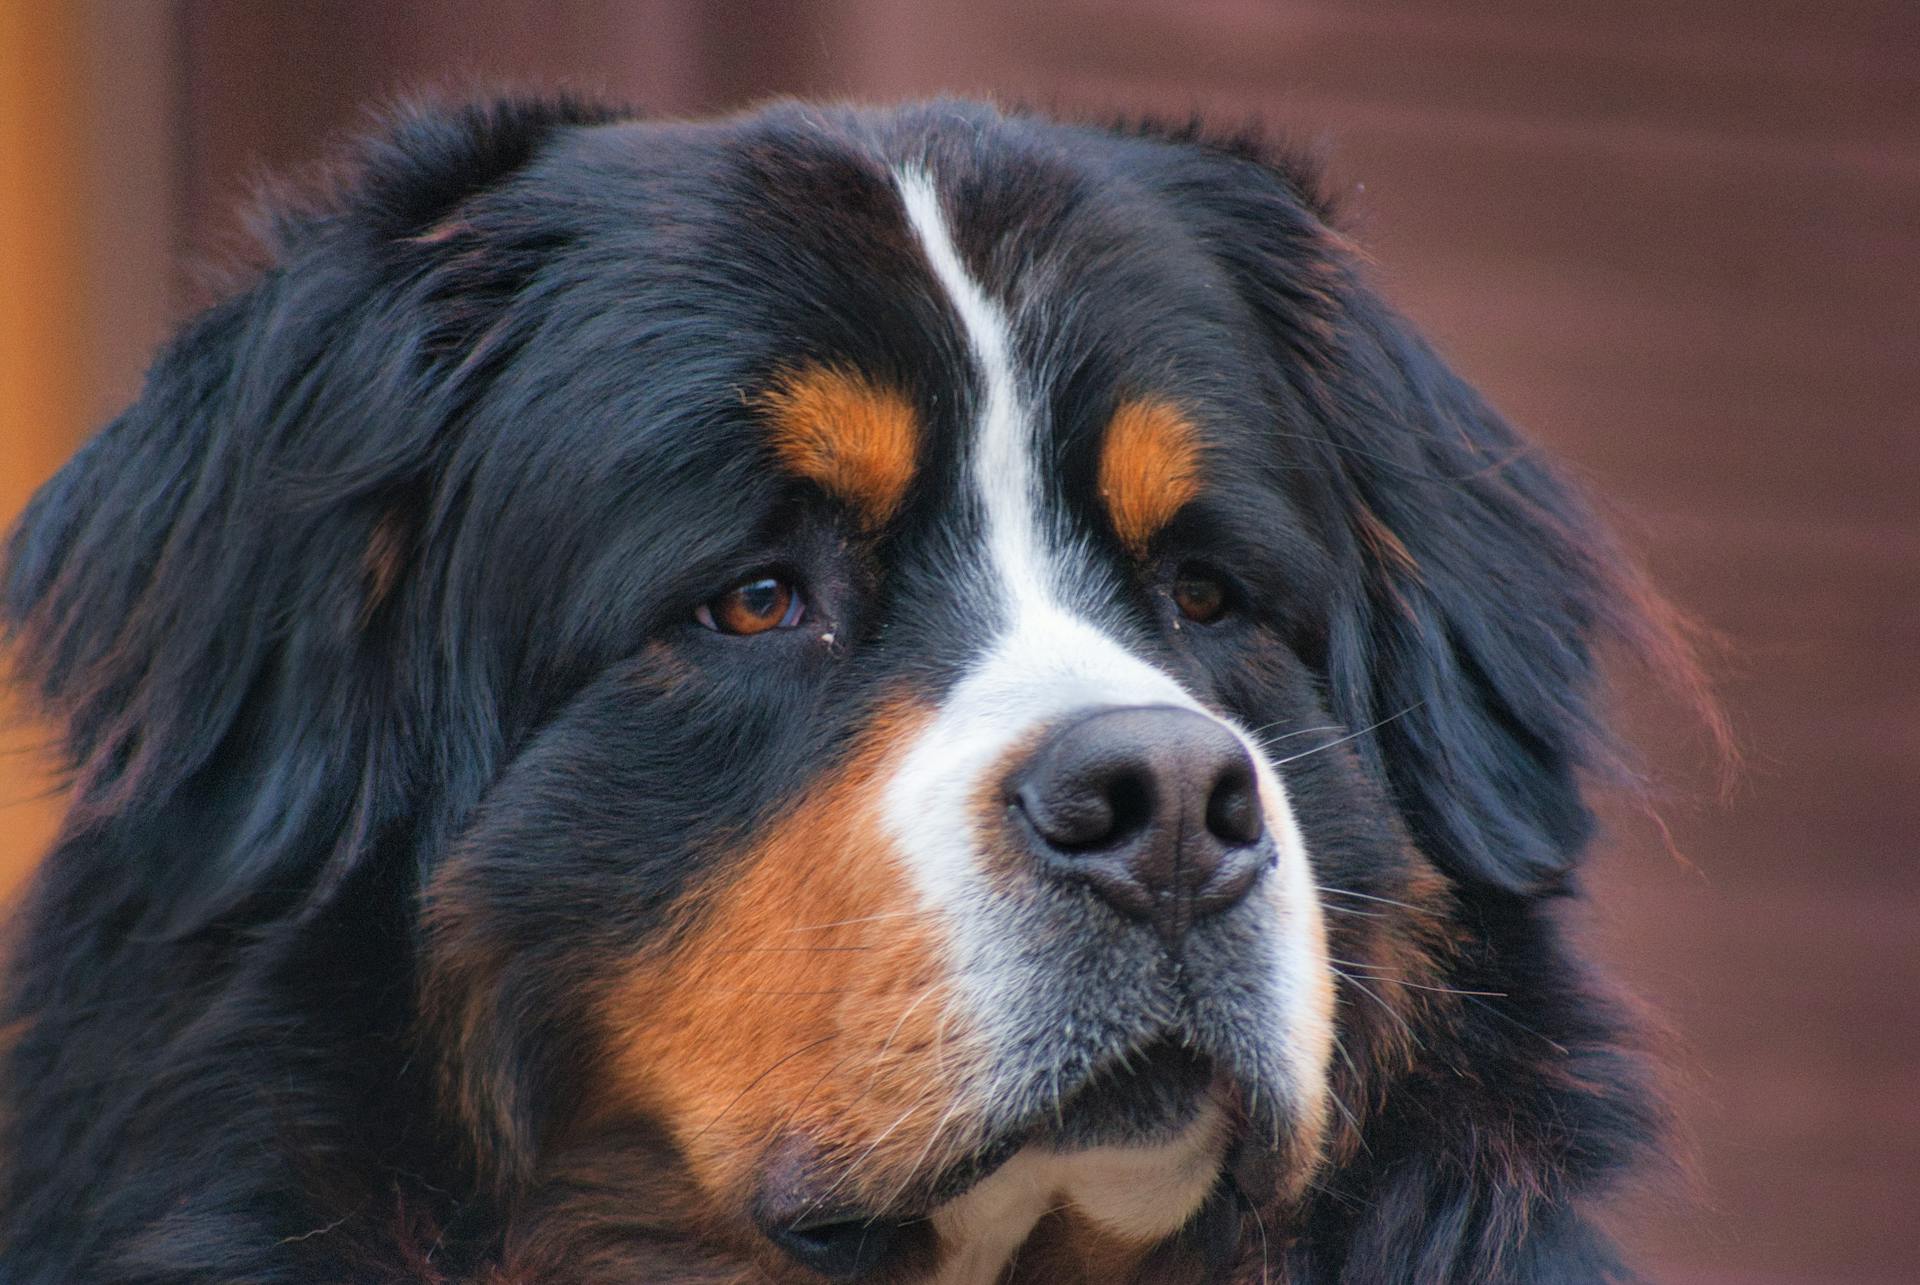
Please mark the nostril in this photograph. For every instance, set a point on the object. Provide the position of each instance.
(1130, 799)
(1097, 810)
(1066, 820)
(1233, 809)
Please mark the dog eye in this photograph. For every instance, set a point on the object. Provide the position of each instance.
(1201, 597)
(754, 607)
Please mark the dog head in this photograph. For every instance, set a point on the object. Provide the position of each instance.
(915, 683)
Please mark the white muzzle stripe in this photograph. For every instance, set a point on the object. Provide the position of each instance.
(1046, 663)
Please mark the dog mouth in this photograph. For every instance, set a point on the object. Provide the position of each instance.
(1143, 1098)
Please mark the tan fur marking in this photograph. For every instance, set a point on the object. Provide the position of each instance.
(808, 1001)
(1149, 469)
(858, 440)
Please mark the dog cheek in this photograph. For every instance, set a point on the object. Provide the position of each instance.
(805, 1008)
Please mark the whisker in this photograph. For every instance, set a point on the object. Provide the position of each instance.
(1548, 1040)
(781, 994)
(793, 950)
(1392, 1012)
(1375, 972)
(886, 1046)
(1358, 1134)
(747, 991)
(1260, 1225)
(1340, 1047)
(864, 919)
(861, 1159)
(1367, 896)
(933, 1135)
(872, 1079)
(1260, 733)
(755, 1081)
(1451, 990)
(1371, 727)
(793, 1111)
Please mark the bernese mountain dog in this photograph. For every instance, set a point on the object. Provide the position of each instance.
(921, 695)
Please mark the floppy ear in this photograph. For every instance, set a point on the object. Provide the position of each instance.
(1470, 654)
(1491, 586)
(205, 596)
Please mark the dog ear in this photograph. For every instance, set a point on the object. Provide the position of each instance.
(204, 595)
(1469, 659)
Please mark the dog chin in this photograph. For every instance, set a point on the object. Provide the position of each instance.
(1134, 1152)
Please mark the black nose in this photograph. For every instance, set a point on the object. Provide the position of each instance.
(1154, 806)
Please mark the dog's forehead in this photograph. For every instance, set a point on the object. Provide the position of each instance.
(871, 247)
(793, 224)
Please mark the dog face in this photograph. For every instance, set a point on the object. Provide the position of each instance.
(937, 807)
(929, 683)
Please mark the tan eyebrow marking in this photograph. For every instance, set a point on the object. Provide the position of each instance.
(857, 439)
(1149, 468)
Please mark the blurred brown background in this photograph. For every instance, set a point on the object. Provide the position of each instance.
(1680, 242)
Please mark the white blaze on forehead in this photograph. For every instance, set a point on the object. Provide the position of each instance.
(1002, 467)
(1046, 663)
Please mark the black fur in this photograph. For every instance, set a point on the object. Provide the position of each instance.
(370, 572)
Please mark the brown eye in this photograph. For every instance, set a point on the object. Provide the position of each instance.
(753, 608)
(1201, 598)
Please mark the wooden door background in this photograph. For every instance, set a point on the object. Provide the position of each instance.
(1679, 242)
